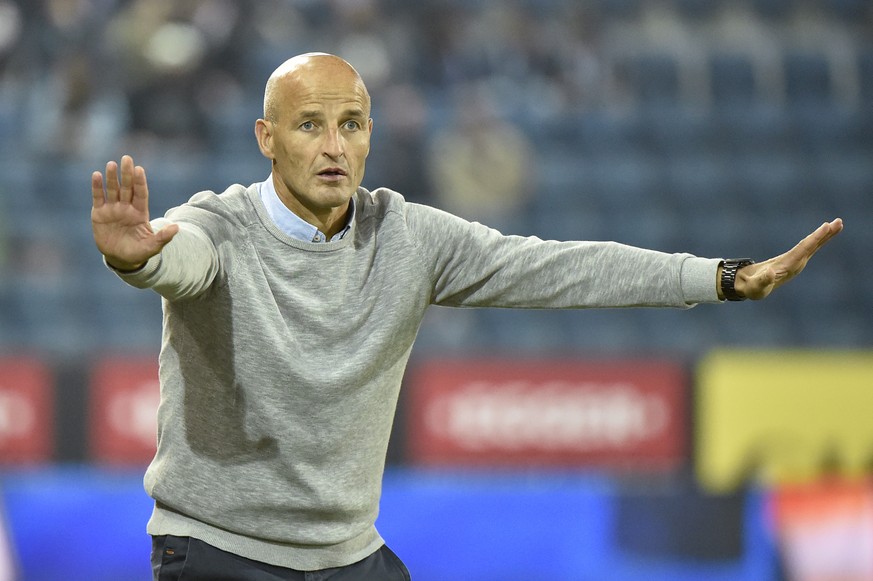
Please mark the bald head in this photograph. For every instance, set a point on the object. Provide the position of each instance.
(308, 69)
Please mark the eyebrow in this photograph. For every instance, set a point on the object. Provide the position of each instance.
(308, 113)
(353, 112)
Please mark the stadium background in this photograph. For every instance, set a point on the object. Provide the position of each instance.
(721, 128)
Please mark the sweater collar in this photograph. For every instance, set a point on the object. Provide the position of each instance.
(290, 223)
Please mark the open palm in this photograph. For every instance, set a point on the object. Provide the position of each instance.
(120, 216)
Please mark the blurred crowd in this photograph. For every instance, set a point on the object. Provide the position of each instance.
(472, 101)
(93, 76)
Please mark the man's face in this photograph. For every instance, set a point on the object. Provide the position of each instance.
(318, 139)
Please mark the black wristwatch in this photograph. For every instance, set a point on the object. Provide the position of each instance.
(729, 270)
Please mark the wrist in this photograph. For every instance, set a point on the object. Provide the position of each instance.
(123, 267)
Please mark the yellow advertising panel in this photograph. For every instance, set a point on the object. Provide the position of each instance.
(782, 416)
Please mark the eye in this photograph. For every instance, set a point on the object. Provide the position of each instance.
(352, 125)
(307, 126)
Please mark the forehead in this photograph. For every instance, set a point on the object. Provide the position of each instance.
(321, 87)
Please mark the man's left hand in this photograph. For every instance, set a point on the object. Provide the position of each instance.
(758, 280)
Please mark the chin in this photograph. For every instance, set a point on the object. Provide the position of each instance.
(335, 198)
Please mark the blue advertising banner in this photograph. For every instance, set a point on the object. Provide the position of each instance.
(485, 526)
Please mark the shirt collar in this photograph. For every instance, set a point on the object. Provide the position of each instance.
(292, 224)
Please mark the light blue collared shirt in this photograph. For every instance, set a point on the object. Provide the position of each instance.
(292, 224)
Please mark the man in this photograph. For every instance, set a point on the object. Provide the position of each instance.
(290, 309)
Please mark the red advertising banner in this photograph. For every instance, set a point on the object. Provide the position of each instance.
(618, 414)
(26, 416)
(124, 397)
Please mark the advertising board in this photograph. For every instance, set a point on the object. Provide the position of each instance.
(618, 413)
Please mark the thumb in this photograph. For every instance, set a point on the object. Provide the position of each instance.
(762, 283)
(165, 235)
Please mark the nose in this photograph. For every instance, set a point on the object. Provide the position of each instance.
(334, 145)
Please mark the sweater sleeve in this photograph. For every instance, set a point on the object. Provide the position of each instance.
(475, 266)
(183, 269)
(201, 254)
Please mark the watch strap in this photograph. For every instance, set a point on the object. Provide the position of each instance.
(729, 270)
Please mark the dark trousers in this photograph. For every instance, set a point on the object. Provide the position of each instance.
(184, 558)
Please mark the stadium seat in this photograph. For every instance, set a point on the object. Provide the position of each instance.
(807, 78)
(758, 127)
(676, 130)
(865, 75)
(652, 78)
(732, 79)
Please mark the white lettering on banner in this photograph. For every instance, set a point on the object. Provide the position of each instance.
(548, 416)
(17, 415)
(133, 413)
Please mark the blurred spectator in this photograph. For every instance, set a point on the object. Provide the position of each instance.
(481, 164)
(162, 54)
(10, 27)
(72, 115)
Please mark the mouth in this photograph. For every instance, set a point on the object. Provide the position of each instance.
(332, 174)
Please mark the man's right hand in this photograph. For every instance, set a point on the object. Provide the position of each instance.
(120, 217)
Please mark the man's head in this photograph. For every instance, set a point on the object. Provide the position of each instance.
(316, 131)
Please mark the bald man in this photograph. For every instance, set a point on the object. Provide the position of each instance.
(290, 310)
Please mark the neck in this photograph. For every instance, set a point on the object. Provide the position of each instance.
(334, 227)
(328, 220)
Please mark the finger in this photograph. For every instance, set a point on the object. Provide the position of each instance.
(111, 182)
(795, 260)
(125, 194)
(98, 196)
(818, 238)
(814, 241)
(140, 199)
(828, 230)
(831, 229)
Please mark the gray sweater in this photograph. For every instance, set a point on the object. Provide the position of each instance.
(281, 360)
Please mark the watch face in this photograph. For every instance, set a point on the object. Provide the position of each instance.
(739, 262)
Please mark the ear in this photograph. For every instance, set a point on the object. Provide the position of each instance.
(264, 135)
